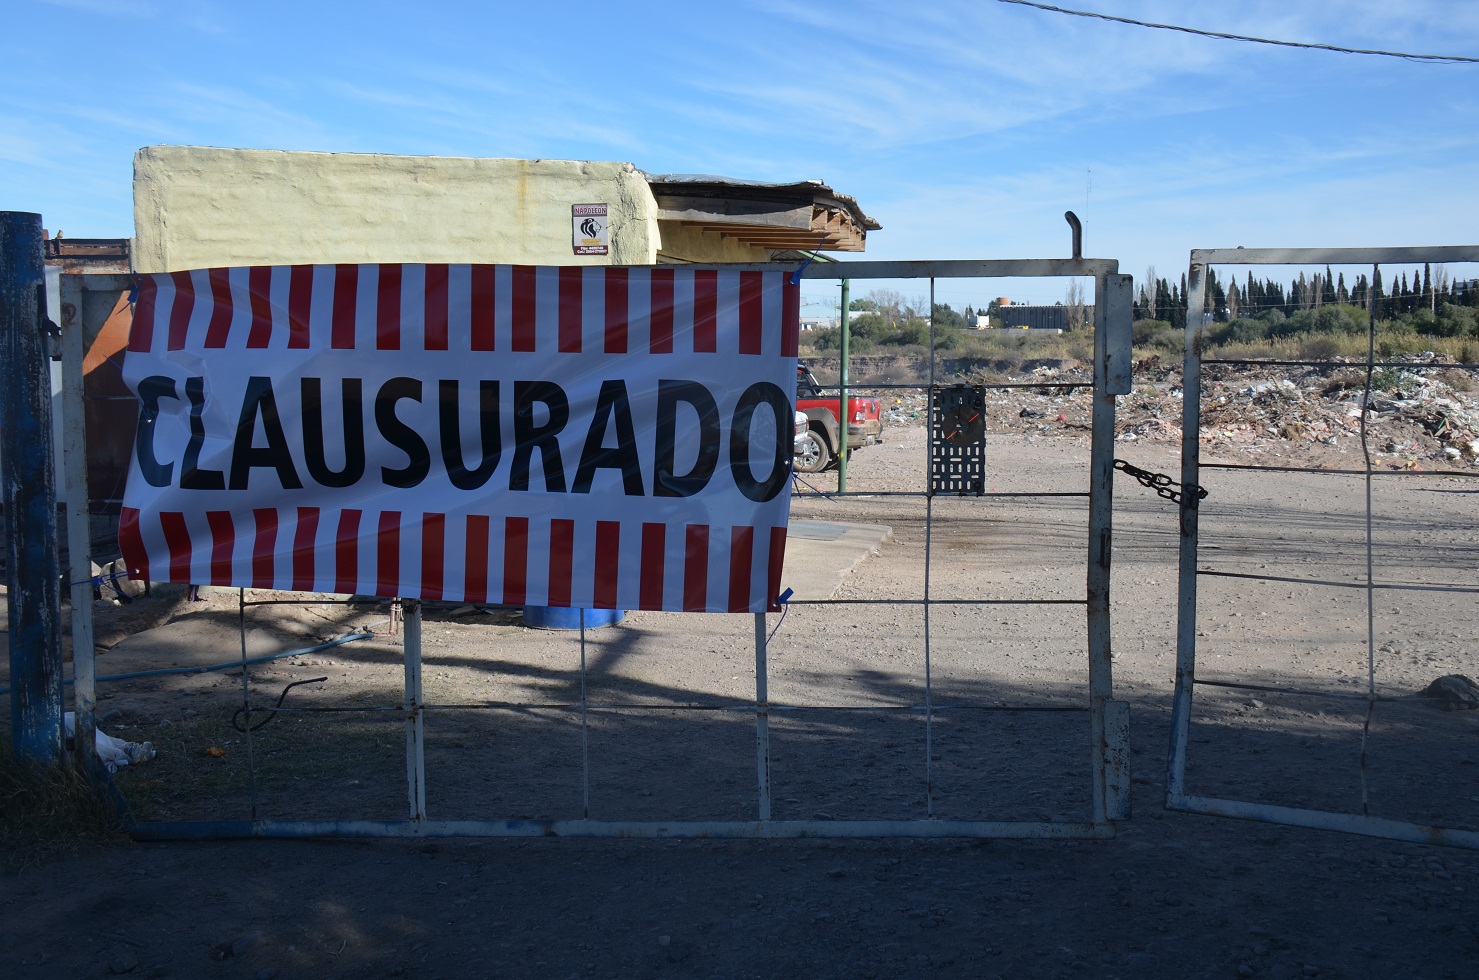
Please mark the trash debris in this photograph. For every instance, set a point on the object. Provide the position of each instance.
(114, 752)
(1421, 415)
(1453, 692)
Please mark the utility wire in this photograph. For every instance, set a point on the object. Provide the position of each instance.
(1437, 58)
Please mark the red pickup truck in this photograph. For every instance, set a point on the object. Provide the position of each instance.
(817, 448)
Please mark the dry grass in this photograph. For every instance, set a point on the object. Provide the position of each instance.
(48, 812)
(1389, 343)
(205, 769)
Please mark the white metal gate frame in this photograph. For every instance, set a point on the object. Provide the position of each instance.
(1177, 797)
(1109, 719)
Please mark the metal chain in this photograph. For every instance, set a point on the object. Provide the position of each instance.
(1162, 484)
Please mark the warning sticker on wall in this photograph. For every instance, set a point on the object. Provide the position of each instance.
(590, 231)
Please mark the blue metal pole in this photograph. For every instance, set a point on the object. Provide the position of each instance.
(28, 496)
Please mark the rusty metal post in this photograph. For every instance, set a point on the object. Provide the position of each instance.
(28, 495)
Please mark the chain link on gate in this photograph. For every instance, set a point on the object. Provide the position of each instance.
(1162, 484)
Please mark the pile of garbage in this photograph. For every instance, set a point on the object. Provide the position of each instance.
(1420, 412)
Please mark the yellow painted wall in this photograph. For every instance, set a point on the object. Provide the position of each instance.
(687, 243)
(198, 207)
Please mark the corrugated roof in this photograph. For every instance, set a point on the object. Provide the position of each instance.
(804, 214)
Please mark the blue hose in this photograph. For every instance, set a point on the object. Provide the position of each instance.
(164, 671)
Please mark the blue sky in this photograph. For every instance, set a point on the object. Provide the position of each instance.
(966, 128)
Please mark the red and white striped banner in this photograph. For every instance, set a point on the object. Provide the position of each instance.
(598, 437)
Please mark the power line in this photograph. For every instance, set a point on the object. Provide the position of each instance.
(1436, 58)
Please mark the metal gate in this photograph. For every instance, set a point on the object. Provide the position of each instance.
(1368, 591)
(1094, 737)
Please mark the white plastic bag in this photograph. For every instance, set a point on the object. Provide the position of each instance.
(113, 752)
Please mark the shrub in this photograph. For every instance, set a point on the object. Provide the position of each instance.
(1141, 331)
(913, 332)
(1252, 331)
(1457, 321)
(1318, 347)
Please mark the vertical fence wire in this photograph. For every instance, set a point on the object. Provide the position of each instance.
(929, 525)
(1370, 571)
(762, 719)
(246, 699)
(585, 744)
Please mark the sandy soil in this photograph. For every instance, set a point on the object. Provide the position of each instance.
(1173, 895)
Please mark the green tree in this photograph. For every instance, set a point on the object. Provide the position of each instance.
(913, 332)
(946, 317)
(869, 326)
(1164, 303)
(1457, 321)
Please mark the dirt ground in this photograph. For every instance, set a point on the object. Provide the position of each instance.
(666, 737)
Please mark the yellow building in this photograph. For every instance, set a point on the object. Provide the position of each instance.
(199, 207)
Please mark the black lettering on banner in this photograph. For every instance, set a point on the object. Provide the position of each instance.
(352, 416)
(400, 435)
(529, 437)
(489, 435)
(191, 476)
(261, 402)
(665, 482)
(761, 393)
(151, 389)
(611, 405)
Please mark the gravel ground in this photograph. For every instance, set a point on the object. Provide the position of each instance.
(1172, 895)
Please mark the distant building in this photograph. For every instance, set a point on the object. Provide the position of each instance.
(1034, 317)
(819, 315)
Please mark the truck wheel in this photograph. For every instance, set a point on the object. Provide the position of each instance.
(813, 454)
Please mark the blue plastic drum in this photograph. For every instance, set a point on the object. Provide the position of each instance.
(566, 618)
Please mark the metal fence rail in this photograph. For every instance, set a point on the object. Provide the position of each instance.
(1105, 738)
(1363, 816)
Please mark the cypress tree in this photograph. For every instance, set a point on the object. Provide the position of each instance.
(1214, 297)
